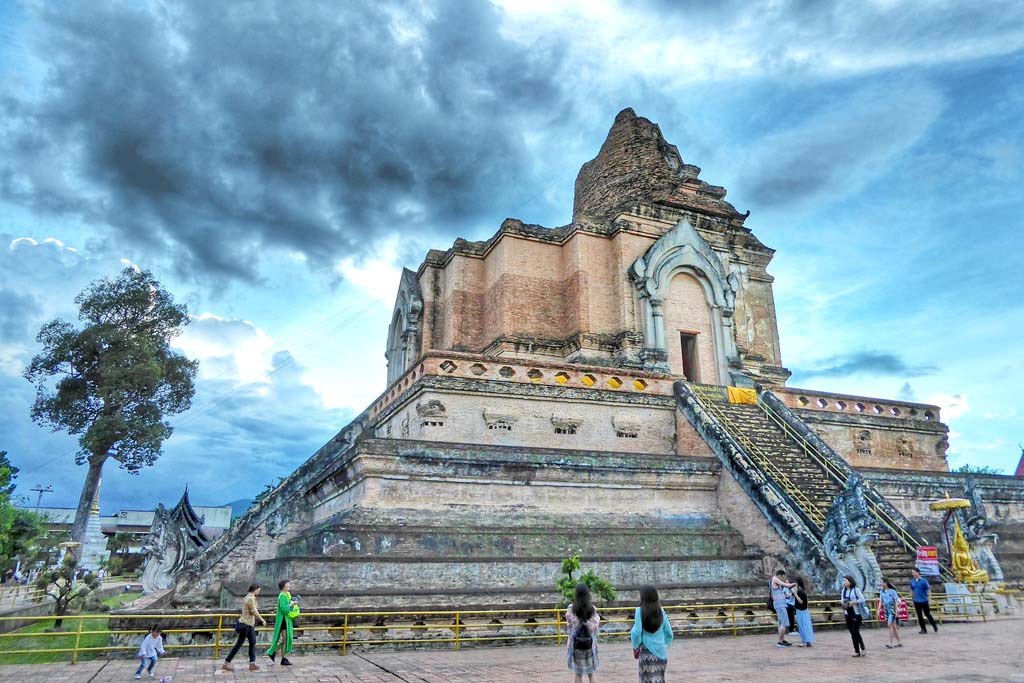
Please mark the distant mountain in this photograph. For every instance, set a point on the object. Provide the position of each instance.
(238, 507)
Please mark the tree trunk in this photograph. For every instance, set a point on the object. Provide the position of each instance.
(59, 612)
(92, 480)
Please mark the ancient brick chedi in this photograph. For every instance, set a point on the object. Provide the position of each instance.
(562, 390)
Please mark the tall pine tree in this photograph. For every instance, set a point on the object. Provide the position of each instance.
(112, 380)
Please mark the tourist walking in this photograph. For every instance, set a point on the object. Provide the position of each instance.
(890, 605)
(853, 604)
(803, 615)
(778, 586)
(287, 610)
(151, 649)
(246, 629)
(920, 588)
(651, 635)
(583, 622)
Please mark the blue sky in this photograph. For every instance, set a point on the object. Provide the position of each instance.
(275, 166)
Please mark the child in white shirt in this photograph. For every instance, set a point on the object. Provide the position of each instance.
(152, 645)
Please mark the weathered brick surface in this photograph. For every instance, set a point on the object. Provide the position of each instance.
(550, 285)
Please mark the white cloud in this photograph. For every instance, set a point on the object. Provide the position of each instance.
(377, 275)
(953, 406)
(227, 347)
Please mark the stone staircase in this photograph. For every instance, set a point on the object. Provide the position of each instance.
(751, 427)
(785, 458)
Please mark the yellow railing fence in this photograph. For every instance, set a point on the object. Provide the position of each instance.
(344, 630)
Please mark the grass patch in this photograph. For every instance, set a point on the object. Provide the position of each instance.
(121, 599)
(35, 637)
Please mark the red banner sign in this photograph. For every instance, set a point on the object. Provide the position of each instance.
(928, 560)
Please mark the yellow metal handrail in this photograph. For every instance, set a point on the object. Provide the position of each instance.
(841, 477)
(725, 617)
(808, 508)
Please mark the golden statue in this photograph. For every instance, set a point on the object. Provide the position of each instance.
(965, 568)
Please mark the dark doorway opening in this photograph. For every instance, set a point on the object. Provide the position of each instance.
(688, 345)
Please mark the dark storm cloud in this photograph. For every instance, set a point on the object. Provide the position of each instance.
(865, 363)
(17, 312)
(208, 131)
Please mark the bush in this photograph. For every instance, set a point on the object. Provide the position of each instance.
(599, 588)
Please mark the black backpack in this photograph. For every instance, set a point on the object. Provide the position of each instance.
(582, 640)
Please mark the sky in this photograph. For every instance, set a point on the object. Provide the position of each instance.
(275, 165)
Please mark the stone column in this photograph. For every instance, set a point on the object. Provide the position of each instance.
(658, 322)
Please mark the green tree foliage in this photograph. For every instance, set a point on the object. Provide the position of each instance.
(112, 380)
(20, 530)
(599, 587)
(977, 469)
(61, 586)
(120, 542)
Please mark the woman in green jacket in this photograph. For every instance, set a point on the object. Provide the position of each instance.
(287, 610)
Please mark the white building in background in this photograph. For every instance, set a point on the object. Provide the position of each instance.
(216, 521)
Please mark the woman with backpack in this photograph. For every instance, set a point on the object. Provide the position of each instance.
(890, 603)
(245, 627)
(651, 635)
(854, 606)
(582, 620)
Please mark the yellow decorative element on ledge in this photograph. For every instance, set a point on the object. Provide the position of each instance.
(738, 395)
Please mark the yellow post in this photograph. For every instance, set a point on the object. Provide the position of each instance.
(344, 637)
(733, 610)
(216, 640)
(78, 638)
(558, 626)
(458, 623)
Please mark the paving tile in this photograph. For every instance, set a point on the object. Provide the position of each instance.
(981, 653)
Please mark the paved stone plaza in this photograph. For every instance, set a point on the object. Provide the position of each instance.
(989, 652)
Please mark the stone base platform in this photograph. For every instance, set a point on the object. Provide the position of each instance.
(414, 557)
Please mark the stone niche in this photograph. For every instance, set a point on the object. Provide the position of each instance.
(536, 421)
